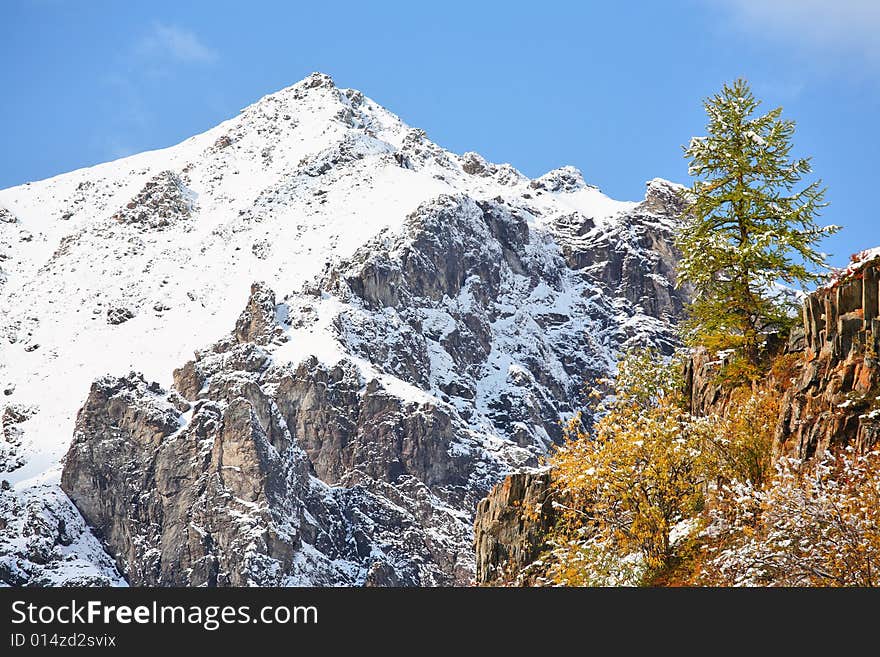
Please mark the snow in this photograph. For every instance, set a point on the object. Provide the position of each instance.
(315, 340)
(302, 178)
(857, 262)
(593, 203)
(35, 519)
(755, 138)
(864, 257)
(200, 270)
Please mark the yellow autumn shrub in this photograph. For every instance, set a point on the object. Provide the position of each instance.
(738, 446)
(651, 495)
(625, 485)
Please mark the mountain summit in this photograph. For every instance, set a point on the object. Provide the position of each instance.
(298, 348)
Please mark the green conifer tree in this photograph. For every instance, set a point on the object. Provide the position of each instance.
(747, 227)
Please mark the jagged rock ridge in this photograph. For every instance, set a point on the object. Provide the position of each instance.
(439, 317)
(835, 399)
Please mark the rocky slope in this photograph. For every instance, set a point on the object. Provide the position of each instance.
(438, 317)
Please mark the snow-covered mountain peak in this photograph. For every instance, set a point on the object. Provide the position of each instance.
(456, 294)
(135, 263)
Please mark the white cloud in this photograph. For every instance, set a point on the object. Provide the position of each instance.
(848, 27)
(176, 43)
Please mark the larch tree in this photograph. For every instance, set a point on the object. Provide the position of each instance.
(748, 226)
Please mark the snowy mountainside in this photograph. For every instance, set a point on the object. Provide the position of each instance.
(454, 300)
(254, 216)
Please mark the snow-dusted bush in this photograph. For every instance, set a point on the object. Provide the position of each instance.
(813, 525)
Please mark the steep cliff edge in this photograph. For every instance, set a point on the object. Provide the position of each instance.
(511, 525)
(831, 387)
(835, 399)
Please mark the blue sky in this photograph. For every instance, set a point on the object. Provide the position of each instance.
(613, 88)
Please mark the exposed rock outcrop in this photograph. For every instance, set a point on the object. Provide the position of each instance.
(163, 200)
(44, 540)
(236, 490)
(184, 505)
(6, 216)
(835, 399)
(119, 315)
(257, 323)
(703, 386)
(511, 527)
(563, 179)
(12, 416)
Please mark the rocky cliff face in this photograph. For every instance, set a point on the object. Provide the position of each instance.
(511, 526)
(224, 495)
(835, 399)
(273, 474)
(426, 321)
(267, 464)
